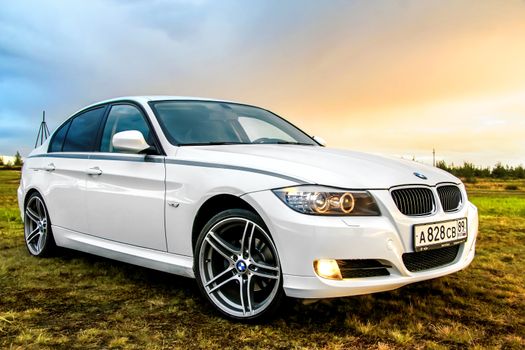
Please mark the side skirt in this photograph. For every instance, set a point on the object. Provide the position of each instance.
(153, 259)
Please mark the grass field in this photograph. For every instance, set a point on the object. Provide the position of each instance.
(80, 301)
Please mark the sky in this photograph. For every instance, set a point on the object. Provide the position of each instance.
(398, 77)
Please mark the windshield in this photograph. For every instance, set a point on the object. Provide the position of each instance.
(219, 123)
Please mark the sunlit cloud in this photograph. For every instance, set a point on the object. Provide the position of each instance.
(397, 77)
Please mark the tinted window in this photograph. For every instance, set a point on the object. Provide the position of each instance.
(83, 131)
(200, 123)
(123, 118)
(58, 138)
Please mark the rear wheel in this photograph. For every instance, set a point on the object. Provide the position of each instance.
(237, 266)
(37, 227)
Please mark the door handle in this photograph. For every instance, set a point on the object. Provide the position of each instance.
(50, 167)
(94, 171)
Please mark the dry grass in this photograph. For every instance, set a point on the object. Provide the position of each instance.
(80, 301)
(514, 187)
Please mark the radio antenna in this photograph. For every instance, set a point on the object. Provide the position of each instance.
(43, 131)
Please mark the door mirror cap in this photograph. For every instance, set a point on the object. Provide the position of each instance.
(131, 141)
(319, 140)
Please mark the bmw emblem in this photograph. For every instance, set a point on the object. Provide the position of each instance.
(421, 176)
(241, 266)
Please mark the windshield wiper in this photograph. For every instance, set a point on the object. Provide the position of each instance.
(245, 143)
(289, 143)
(213, 143)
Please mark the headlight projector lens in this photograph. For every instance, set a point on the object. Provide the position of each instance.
(321, 200)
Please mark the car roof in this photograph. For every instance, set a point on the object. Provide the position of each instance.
(146, 98)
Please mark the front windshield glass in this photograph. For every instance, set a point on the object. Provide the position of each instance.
(216, 123)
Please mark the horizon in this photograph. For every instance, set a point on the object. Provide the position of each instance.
(10, 158)
(398, 78)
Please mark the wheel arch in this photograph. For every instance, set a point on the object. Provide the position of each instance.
(214, 205)
(28, 194)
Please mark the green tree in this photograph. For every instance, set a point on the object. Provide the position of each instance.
(483, 172)
(499, 171)
(441, 164)
(469, 171)
(18, 159)
(1, 161)
(519, 172)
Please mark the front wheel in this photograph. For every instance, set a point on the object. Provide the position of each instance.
(237, 266)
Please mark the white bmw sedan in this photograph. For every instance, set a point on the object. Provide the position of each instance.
(243, 201)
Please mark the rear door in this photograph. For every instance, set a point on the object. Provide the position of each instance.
(65, 168)
(125, 192)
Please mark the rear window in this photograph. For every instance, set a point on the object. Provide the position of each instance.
(58, 139)
(83, 131)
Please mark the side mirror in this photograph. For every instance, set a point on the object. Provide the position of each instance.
(131, 141)
(319, 140)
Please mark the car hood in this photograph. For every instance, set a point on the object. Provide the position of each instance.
(319, 165)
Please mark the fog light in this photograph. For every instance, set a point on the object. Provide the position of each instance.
(327, 268)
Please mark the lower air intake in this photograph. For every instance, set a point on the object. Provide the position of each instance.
(360, 268)
(429, 259)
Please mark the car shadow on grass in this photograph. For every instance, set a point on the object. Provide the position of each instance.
(90, 292)
(417, 299)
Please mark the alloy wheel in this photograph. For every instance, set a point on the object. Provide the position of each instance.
(36, 225)
(239, 267)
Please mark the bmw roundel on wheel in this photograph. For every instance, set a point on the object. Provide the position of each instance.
(241, 200)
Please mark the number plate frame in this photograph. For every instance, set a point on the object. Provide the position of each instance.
(440, 243)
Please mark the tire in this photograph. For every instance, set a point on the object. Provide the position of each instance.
(37, 227)
(237, 267)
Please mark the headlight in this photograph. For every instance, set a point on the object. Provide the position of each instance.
(320, 200)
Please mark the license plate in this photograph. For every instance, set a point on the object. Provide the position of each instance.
(440, 234)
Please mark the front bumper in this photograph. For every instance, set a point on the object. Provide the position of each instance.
(300, 239)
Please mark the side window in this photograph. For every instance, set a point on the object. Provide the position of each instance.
(58, 139)
(123, 118)
(83, 131)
